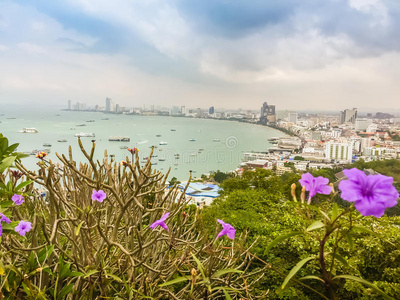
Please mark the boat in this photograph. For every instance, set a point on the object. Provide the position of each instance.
(105, 119)
(163, 143)
(158, 135)
(161, 159)
(192, 140)
(154, 164)
(90, 121)
(173, 129)
(193, 154)
(81, 125)
(273, 139)
(62, 140)
(46, 145)
(123, 147)
(85, 134)
(119, 139)
(216, 140)
(175, 164)
(29, 130)
(201, 149)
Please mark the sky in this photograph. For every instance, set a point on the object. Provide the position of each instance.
(298, 55)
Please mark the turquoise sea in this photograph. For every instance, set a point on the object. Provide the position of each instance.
(202, 155)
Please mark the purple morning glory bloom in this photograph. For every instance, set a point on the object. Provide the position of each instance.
(371, 194)
(99, 195)
(3, 218)
(161, 222)
(315, 185)
(23, 227)
(18, 199)
(226, 229)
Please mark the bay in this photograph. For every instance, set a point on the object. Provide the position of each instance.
(203, 145)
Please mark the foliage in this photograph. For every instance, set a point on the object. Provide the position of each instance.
(79, 248)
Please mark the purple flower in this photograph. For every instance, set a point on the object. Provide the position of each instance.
(226, 229)
(371, 194)
(23, 227)
(315, 185)
(99, 195)
(3, 218)
(18, 199)
(161, 222)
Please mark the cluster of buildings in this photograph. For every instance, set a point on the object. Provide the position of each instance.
(327, 140)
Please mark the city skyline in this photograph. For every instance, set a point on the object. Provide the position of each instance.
(224, 55)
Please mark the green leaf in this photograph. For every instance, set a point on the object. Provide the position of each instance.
(65, 271)
(225, 271)
(312, 277)
(280, 239)
(22, 184)
(227, 296)
(335, 211)
(116, 278)
(349, 238)
(364, 229)
(315, 225)
(79, 228)
(7, 162)
(325, 215)
(339, 258)
(45, 253)
(75, 274)
(200, 266)
(365, 282)
(90, 273)
(176, 280)
(65, 291)
(11, 148)
(295, 269)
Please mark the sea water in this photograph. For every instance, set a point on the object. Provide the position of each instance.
(197, 145)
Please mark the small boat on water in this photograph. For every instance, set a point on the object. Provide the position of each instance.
(158, 135)
(29, 130)
(81, 125)
(161, 159)
(90, 121)
(173, 129)
(46, 145)
(163, 143)
(105, 119)
(216, 140)
(123, 147)
(85, 134)
(192, 140)
(62, 140)
(119, 139)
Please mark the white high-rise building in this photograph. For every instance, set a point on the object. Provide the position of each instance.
(339, 151)
(292, 118)
(109, 105)
(362, 124)
(348, 116)
(69, 105)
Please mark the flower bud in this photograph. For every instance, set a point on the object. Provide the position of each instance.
(293, 191)
(303, 194)
(333, 189)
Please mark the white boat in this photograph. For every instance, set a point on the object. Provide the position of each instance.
(163, 143)
(192, 140)
(216, 140)
(29, 130)
(85, 134)
(119, 139)
(46, 145)
(123, 147)
(62, 140)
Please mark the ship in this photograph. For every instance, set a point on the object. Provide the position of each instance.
(123, 147)
(163, 143)
(83, 134)
(90, 121)
(29, 130)
(62, 140)
(192, 140)
(119, 139)
(216, 140)
(46, 145)
(158, 135)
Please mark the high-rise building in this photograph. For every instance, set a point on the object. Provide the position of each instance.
(339, 151)
(348, 116)
(69, 105)
(211, 110)
(109, 105)
(362, 124)
(183, 110)
(292, 118)
(267, 114)
(175, 111)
